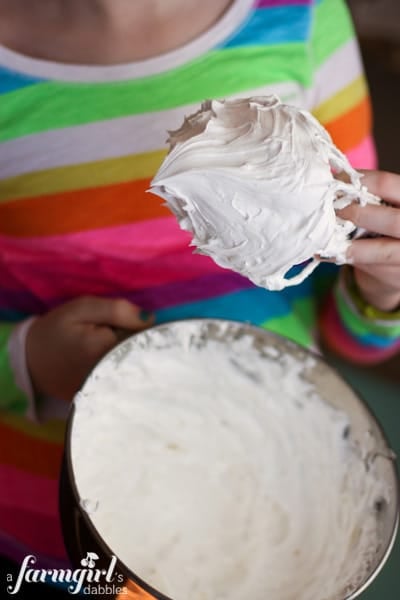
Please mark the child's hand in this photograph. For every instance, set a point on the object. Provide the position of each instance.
(63, 345)
(377, 261)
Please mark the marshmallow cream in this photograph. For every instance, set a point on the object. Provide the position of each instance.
(215, 472)
(252, 179)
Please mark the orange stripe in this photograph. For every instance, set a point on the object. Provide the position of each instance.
(350, 129)
(29, 454)
(131, 591)
(81, 210)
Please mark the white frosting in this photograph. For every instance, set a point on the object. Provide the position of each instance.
(215, 473)
(252, 180)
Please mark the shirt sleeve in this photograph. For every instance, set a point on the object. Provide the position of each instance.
(35, 408)
(354, 329)
(16, 391)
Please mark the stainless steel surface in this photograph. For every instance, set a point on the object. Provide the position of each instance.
(331, 387)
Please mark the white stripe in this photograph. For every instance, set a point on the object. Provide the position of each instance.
(109, 139)
(337, 72)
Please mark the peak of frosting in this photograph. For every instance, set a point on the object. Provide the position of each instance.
(253, 180)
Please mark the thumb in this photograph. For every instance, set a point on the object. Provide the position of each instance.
(116, 313)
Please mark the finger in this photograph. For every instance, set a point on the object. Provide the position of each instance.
(385, 274)
(123, 315)
(120, 334)
(378, 219)
(384, 251)
(379, 285)
(97, 342)
(383, 184)
(116, 313)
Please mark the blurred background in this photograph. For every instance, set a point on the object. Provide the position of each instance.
(377, 23)
(378, 26)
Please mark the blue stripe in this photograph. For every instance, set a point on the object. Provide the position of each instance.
(275, 25)
(12, 80)
(12, 315)
(371, 339)
(254, 305)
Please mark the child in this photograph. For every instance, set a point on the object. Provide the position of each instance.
(89, 90)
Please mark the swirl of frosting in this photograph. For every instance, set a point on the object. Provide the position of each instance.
(223, 473)
(253, 180)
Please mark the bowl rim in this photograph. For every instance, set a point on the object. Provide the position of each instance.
(69, 471)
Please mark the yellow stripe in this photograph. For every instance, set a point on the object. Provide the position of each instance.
(141, 166)
(342, 101)
(86, 175)
(51, 431)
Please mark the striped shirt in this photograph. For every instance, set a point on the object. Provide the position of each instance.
(78, 148)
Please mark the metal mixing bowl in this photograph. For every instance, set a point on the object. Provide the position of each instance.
(79, 532)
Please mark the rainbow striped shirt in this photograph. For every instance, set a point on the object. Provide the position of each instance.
(78, 148)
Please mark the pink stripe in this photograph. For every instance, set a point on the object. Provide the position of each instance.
(363, 156)
(102, 262)
(16, 551)
(145, 238)
(29, 510)
(28, 492)
(37, 531)
(66, 276)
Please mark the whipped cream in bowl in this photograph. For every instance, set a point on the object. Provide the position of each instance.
(253, 180)
(219, 461)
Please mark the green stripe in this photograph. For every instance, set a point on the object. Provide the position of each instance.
(297, 325)
(333, 27)
(11, 397)
(52, 431)
(52, 105)
(360, 326)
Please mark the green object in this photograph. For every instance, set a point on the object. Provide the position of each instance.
(11, 397)
(144, 315)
